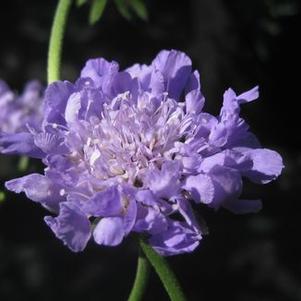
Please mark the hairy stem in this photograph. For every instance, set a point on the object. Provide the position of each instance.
(166, 275)
(56, 39)
(141, 279)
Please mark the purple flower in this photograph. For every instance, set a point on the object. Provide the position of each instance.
(19, 114)
(132, 151)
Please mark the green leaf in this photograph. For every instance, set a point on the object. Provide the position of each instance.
(96, 10)
(123, 8)
(140, 9)
(79, 3)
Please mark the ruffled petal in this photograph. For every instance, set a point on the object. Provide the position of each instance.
(150, 220)
(201, 188)
(39, 189)
(248, 96)
(123, 82)
(176, 68)
(177, 239)
(71, 226)
(227, 158)
(101, 72)
(20, 144)
(232, 130)
(72, 108)
(194, 99)
(50, 143)
(267, 165)
(129, 215)
(146, 197)
(164, 183)
(186, 211)
(104, 203)
(227, 185)
(56, 97)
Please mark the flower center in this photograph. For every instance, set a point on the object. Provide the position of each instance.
(130, 136)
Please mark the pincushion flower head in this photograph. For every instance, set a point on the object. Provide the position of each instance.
(133, 150)
(19, 114)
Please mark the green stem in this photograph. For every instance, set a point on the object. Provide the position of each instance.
(56, 39)
(142, 275)
(164, 272)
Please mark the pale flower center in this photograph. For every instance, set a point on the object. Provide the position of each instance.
(128, 138)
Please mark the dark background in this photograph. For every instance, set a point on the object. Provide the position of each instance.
(232, 43)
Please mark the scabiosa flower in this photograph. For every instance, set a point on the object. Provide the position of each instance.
(19, 114)
(130, 151)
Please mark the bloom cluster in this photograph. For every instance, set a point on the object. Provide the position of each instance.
(19, 114)
(131, 151)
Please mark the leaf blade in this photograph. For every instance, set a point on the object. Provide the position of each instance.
(123, 9)
(96, 10)
(140, 9)
(80, 3)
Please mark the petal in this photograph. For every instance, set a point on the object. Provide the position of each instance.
(227, 158)
(177, 239)
(191, 163)
(187, 212)
(150, 220)
(230, 105)
(71, 226)
(6, 97)
(56, 97)
(32, 94)
(50, 143)
(219, 135)
(123, 82)
(3, 87)
(142, 73)
(201, 188)
(146, 197)
(20, 144)
(164, 183)
(248, 140)
(232, 101)
(267, 165)
(231, 130)
(149, 79)
(92, 100)
(109, 231)
(227, 185)
(100, 71)
(130, 215)
(104, 203)
(194, 99)
(248, 96)
(38, 188)
(176, 68)
(72, 108)
(194, 102)
(156, 85)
